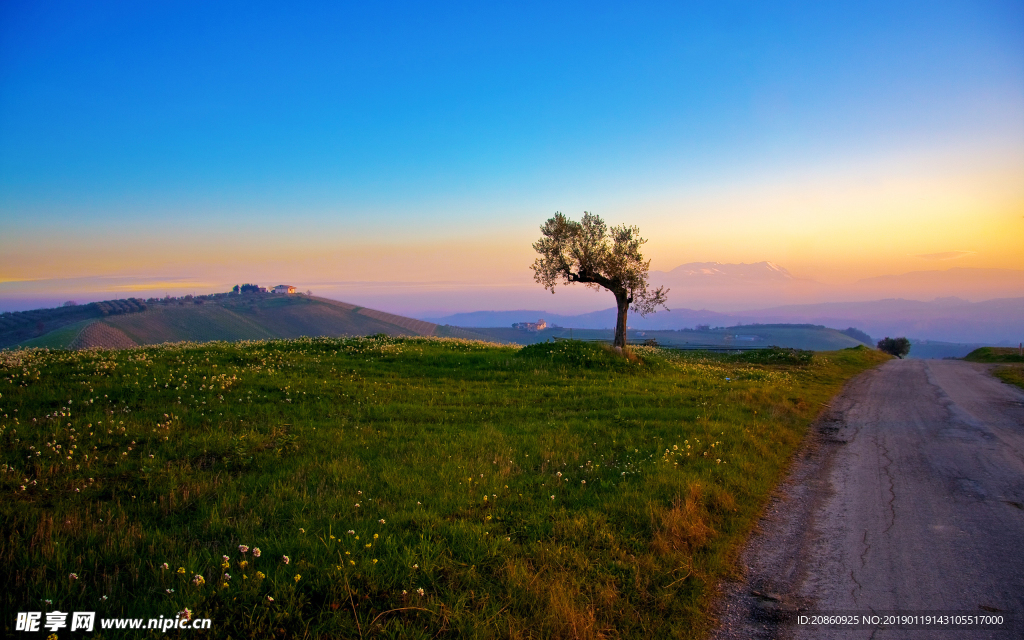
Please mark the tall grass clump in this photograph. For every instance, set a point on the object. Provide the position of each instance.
(399, 488)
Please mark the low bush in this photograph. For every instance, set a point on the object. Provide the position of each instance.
(775, 355)
(898, 347)
(577, 353)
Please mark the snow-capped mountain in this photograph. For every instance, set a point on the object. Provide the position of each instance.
(704, 272)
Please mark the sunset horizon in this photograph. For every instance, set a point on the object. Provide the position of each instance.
(166, 150)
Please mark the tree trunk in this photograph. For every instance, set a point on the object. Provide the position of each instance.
(620, 323)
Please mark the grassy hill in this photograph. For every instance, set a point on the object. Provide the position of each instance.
(810, 337)
(390, 487)
(251, 316)
(995, 354)
(22, 326)
(261, 316)
(60, 338)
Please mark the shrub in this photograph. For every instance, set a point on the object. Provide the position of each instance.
(776, 355)
(574, 353)
(898, 347)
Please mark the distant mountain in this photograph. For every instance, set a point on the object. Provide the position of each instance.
(734, 287)
(705, 272)
(721, 285)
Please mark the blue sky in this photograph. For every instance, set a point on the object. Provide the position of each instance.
(273, 132)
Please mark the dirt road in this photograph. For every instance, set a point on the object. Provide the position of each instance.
(908, 497)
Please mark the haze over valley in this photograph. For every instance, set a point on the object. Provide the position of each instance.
(970, 305)
(956, 305)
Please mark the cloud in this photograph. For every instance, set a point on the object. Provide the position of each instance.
(944, 255)
(145, 284)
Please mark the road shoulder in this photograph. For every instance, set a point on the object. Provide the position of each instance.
(756, 606)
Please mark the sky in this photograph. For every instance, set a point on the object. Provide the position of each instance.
(405, 154)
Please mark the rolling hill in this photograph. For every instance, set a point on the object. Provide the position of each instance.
(250, 316)
(810, 337)
(259, 316)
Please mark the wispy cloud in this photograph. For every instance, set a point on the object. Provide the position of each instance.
(150, 285)
(944, 255)
(112, 284)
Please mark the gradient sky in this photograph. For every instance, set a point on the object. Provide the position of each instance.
(172, 146)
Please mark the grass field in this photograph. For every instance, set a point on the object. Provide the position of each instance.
(393, 488)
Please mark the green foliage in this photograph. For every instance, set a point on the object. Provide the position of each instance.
(523, 500)
(898, 347)
(118, 307)
(995, 354)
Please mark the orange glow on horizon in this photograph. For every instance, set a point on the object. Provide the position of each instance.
(836, 228)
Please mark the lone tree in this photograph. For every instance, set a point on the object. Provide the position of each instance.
(589, 252)
(898, 347)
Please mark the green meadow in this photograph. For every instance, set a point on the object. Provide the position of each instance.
(394, 488)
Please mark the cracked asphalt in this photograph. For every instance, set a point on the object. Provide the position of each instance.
(907, 497)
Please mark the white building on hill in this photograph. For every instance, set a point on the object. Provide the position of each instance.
(284, 288)
(540, 325)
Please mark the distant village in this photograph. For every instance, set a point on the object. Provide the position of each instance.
(532, 327)
(255, 288)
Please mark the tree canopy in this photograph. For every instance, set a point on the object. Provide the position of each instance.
(590, 253)
(898, 347)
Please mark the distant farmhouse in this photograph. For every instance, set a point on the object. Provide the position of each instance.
(255, 288)
(530, 326)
